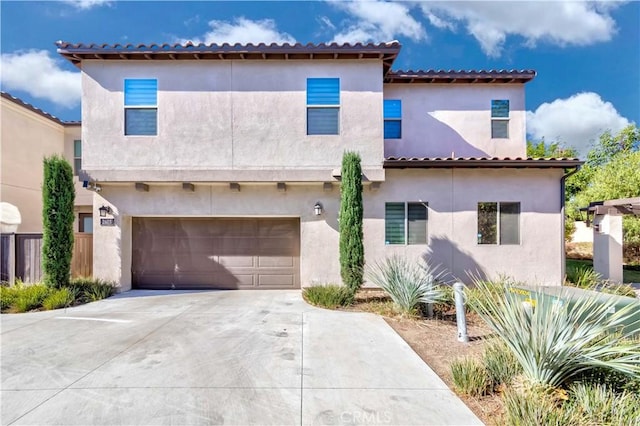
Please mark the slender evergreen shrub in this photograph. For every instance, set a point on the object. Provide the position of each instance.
(351, 214)
(58, 195)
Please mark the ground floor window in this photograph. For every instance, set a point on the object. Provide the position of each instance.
(405, 223)
(85, 223)
(498, 223)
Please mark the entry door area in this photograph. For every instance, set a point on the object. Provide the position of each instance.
(215, 253)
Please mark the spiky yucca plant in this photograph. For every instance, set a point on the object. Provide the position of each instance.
(557, 340)
(407, 282)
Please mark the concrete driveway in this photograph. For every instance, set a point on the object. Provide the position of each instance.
(226, 357)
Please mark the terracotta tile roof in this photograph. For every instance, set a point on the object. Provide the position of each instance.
(460, 76)
(75, 53)
(38, 111)
(481, 162)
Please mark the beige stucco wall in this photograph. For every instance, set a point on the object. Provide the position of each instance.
(27, 138)
(230, 120)
(454, 120)
(452, 196)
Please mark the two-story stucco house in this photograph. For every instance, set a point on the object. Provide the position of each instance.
(219, 166)
(28, 135)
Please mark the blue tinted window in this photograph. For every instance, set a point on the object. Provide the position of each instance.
(500, 108)
(322, 121)
(140, 92)
(140, 121)
(392, 129)
(392, 108)
(323, 91)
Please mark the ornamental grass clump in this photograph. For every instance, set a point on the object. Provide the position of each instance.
(329, 296)
(407, 282)
(469, 377)
(557, 340)
(500, 363)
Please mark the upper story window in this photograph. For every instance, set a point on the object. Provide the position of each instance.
(500, 119)
(499, 223)
(141, 107)
(323, 106)
(405, 219)
(77, 156)
(392, 118)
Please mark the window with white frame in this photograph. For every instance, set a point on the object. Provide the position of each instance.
(499, 223)
(77, 156)
(405, 223)
(392, 112)
(323, 106)
(141, 107)
(500, 119)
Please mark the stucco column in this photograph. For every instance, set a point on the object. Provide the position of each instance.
(607, 247)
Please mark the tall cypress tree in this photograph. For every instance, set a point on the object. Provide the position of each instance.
(351, 214)
(58, 195)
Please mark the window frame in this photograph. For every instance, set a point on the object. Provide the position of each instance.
(498, 224)
(391, 118)
(329, 106)
(77, 160)
(148, 107)
(81, 217)
(405, 220)
(500, 119)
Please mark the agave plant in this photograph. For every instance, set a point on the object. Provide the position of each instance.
(407, 282)
(557, 340)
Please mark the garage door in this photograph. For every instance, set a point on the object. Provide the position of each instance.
(195, 253)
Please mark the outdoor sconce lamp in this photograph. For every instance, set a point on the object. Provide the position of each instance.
(318, 208)
(104, 210)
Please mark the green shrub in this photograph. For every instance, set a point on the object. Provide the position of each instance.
(86, 289)
(328, 296)
(58, 194)
(555, 341)
(60, 298)
(501, 365)
(29, 297)
(8, 296)
(597, 404)
(582, 276)
(469, 377)
(351, 216)
(618, 289)
(408, 283)
(535, 407)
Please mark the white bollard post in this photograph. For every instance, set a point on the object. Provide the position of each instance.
(460, 317)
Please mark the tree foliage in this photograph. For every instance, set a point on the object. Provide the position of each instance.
(351, 216)
(58, 195)
(611, 171)
(553, 150)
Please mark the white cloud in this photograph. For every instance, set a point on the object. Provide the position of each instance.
(243, 31)
(378, 21)
(562, 22)
(87, 4)
(38, 74)
(576, 121)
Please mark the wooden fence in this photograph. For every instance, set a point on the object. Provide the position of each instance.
(21, 257)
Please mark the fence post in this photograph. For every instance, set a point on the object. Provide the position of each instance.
(12, 259)
(460, 316)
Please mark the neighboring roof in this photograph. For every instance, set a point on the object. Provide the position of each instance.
(461, 76)
(76, 53)
(38, 111)
(468, 163)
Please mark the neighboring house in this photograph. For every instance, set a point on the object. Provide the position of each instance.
(219, 166)
(28, 136)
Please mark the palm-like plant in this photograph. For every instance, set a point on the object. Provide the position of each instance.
(558, 339)
(408, 283)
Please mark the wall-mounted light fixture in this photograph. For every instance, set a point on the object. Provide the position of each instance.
(104, 211)
(317, 208)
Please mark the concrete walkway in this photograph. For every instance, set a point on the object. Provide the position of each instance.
(233, 358)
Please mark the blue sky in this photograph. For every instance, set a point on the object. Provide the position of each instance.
(587, 54)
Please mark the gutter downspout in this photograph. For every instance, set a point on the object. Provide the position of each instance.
(563, 199)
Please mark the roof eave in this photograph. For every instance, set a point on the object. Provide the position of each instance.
(451, 163)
